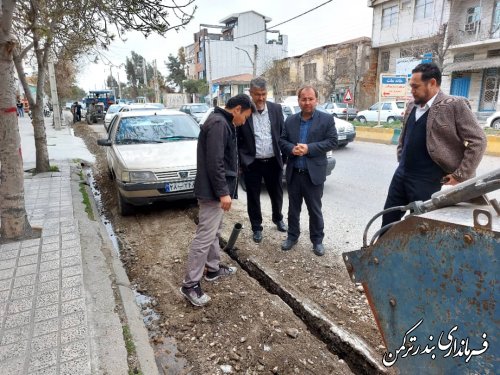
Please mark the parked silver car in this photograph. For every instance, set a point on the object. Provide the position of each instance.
(340, 110)
(197, 110)
(151, 156)
(493, 121)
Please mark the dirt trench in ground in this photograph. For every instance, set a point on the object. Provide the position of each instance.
(244, 326)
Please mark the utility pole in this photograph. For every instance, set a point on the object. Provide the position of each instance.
(156, 85)
(254, 64)
(252, 61)
(119, 86)
(111, 81)
(54, 97)
(145, 77)
(209, 71)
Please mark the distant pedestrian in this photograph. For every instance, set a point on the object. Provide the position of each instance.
(260, 157)
(215, 186)
(441, 143)
(20, 108)
(78, 112)
(306, 138)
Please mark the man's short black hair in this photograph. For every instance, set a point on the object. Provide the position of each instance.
(242, 100)
(429, 71)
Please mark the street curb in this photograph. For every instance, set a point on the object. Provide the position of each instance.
(359, 356)
(376, 135)
(493, 147)
(125, 294)
(391, 136)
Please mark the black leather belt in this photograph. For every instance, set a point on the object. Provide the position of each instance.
(267, 160)
(300, 171)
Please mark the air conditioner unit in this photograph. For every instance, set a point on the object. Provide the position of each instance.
(470, 27)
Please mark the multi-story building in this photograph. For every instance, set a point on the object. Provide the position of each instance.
(332, 69)
(472, 63)
(241, 45)
(462, 37)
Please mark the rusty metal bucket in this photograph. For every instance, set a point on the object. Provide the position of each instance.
(432, 284)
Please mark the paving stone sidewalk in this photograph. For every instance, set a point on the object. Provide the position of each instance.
(44, 327)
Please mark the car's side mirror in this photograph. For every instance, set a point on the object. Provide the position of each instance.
(104, 142)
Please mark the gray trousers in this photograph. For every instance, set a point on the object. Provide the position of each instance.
(205, 249)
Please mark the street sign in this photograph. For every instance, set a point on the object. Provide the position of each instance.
(427, 57)
(348, 98)
(405, 65)
(393, 86)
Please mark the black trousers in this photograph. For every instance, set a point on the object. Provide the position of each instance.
(406, 188)
(301, 188)
(271, 172)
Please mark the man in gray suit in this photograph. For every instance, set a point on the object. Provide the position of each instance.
(306, 138)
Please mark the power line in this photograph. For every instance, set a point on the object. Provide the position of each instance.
(288, 20)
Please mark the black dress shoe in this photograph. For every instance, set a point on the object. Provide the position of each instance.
(257, 236)
(281, 226)
(319, 249)
(288, 244)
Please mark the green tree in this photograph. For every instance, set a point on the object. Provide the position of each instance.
(176, 67)
(35, 29)
(196, 86)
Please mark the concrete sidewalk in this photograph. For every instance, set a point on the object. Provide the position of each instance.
(58, 299)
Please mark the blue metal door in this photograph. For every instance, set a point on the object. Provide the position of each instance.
(460, 86)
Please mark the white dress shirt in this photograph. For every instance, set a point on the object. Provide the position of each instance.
(262, 133)
(421, 110)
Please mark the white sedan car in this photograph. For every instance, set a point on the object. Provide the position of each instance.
(493, 121)
(151, 156)
(110, 113)
(390, 111)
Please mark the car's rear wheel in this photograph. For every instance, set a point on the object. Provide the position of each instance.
(362, 119)
(390, 119)
(124, 208)
(496, 124)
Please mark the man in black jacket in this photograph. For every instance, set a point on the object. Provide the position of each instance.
(215, 186)
(260, 157)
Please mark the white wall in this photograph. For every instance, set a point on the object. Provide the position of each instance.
(407, 28)
(224, 60)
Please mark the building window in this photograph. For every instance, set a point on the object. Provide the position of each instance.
(390, 16)
(423, 9)
(495, 24)
(473, 19)
(310, 72)
(463, 57)
(341, 66)
(493, 53)
(200, 57)
(384, 61)
(405, 5)
(474, 14)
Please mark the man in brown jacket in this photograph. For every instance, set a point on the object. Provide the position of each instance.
(441, 143)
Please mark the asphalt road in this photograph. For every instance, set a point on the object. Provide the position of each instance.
(356, 191)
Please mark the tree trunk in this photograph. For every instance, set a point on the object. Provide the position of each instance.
(36, 108)
(14, 220)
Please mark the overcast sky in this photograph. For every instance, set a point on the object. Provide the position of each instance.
(337, 21)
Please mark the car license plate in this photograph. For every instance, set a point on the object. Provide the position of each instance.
(179, 186)
(342, 137)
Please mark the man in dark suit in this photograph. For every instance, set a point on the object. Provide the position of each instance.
(260, 157)
(306, 138)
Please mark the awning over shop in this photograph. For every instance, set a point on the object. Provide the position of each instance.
(239, 79)
(465, 66)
